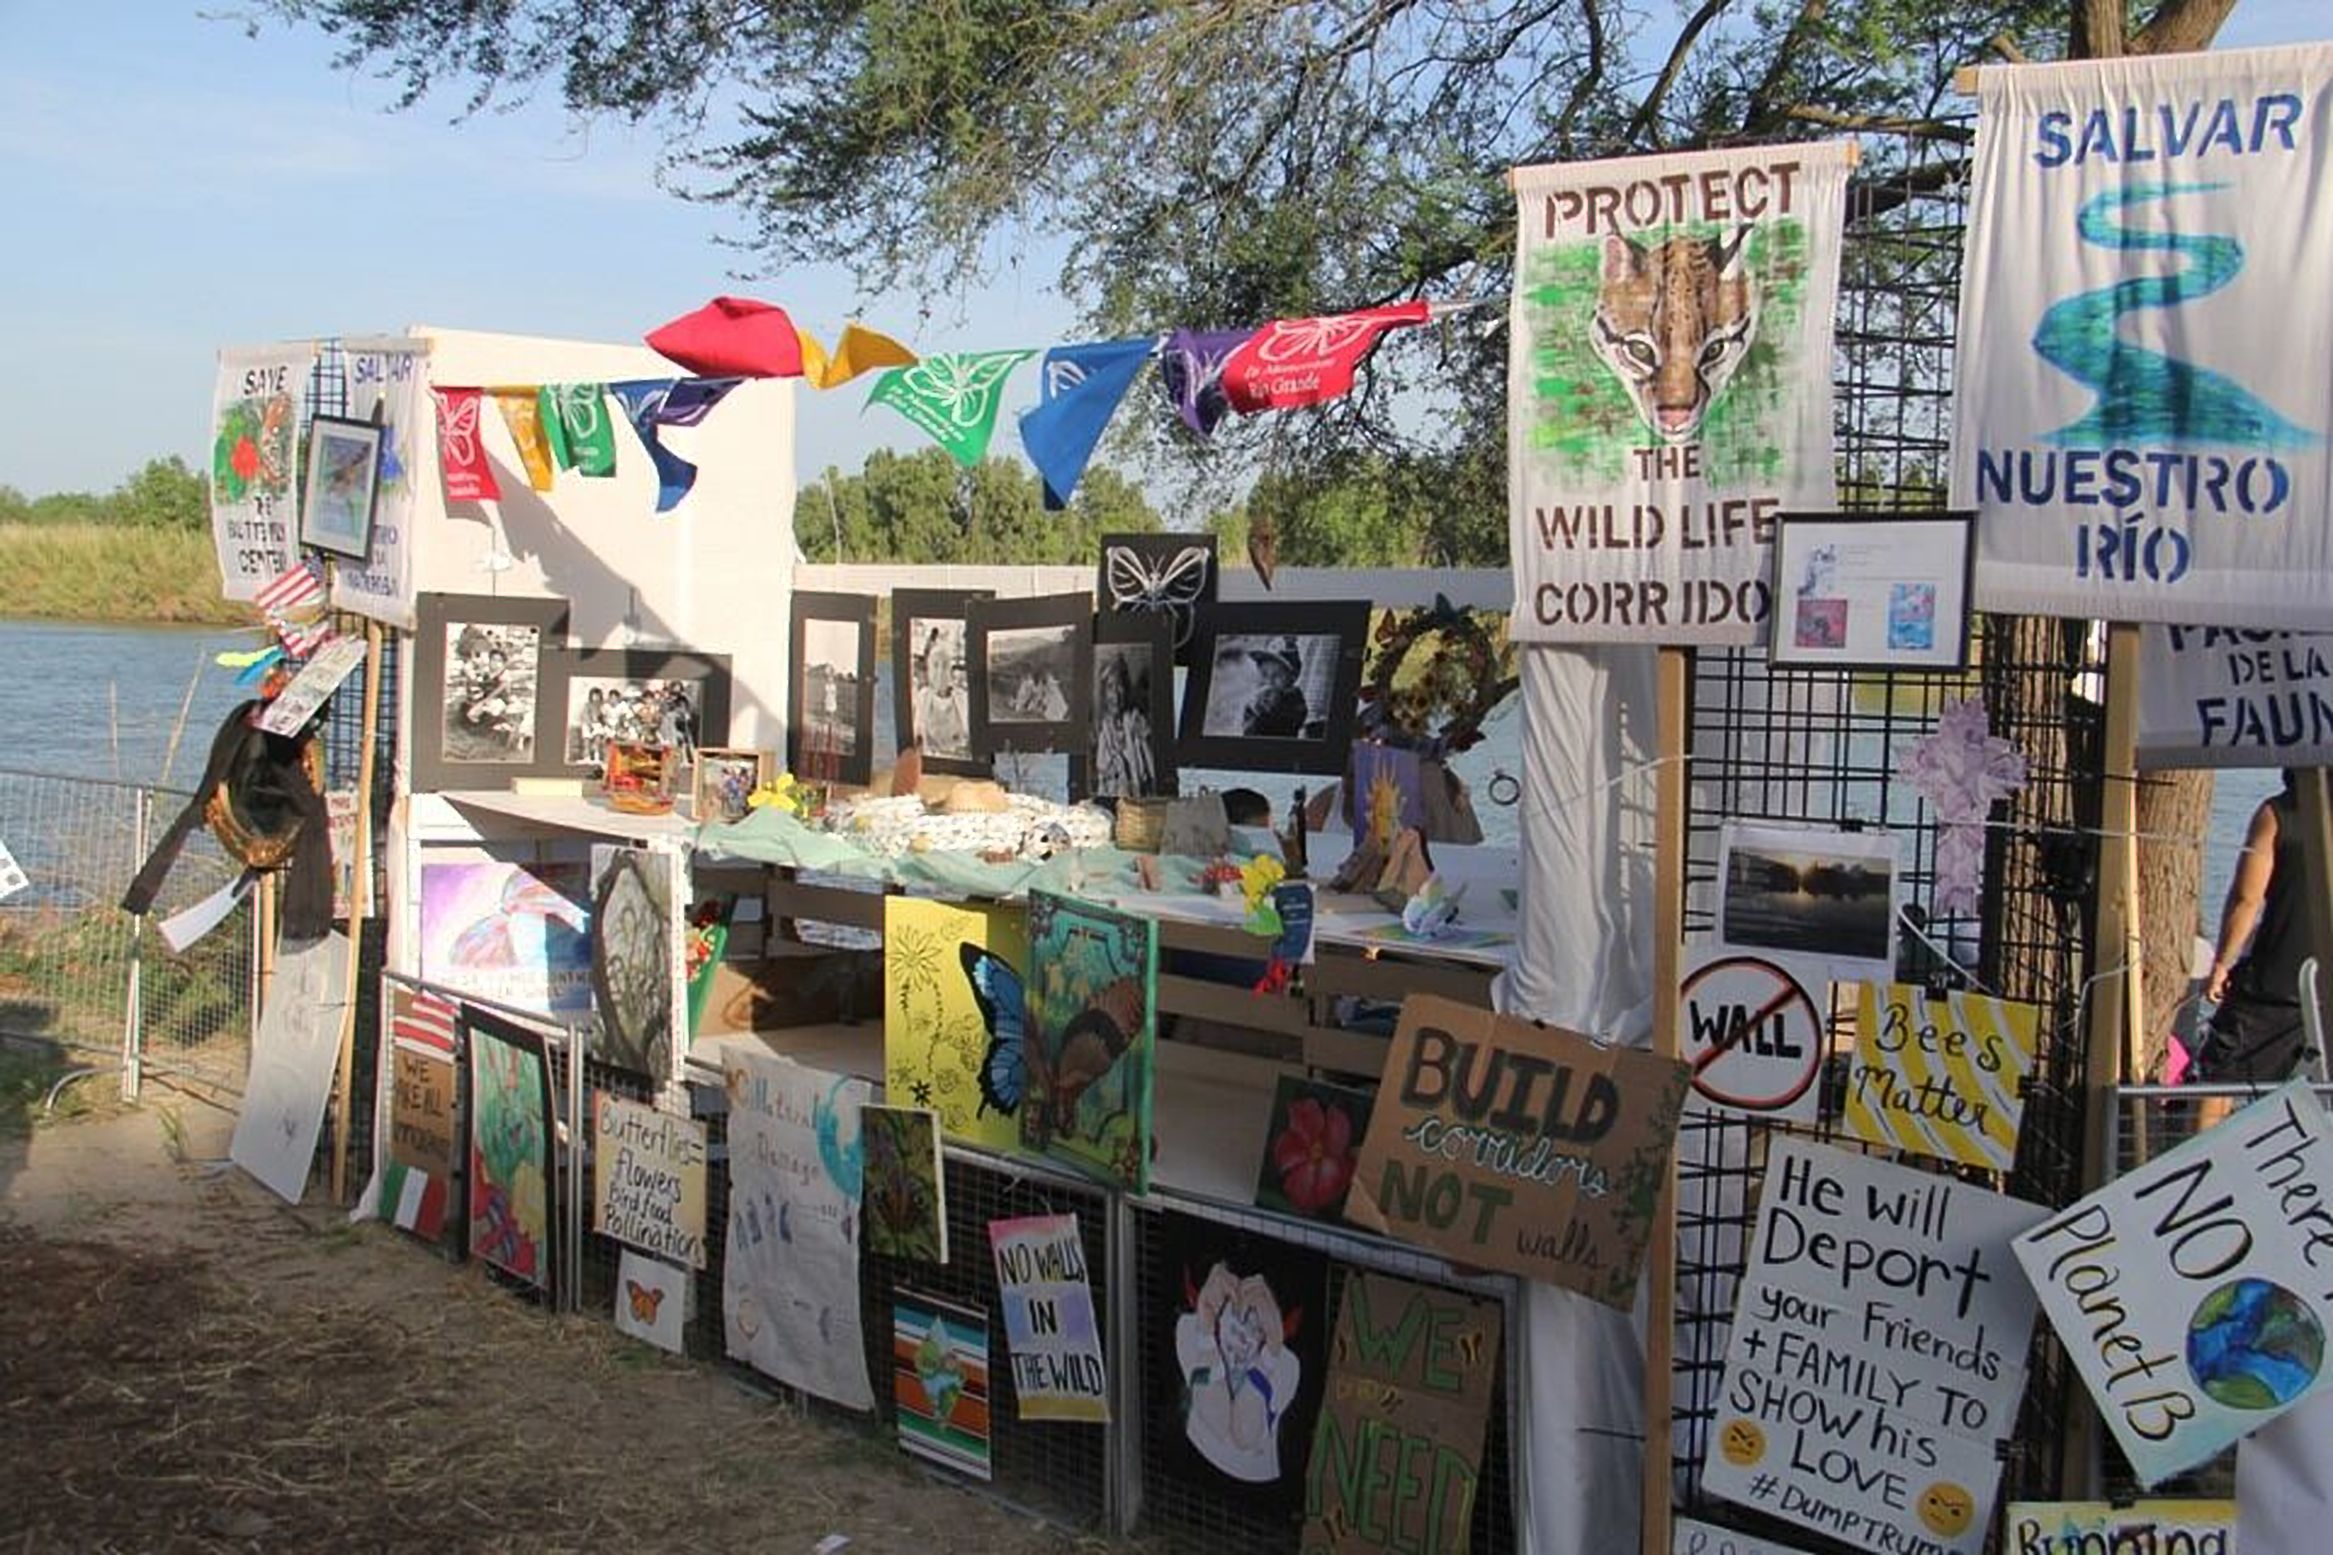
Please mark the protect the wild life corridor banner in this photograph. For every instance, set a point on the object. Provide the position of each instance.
(2145, 380)
(1669, 387)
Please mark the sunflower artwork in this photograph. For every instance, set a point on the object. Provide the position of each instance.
(906, 1202)
(1085, 1093)
(1309, 1148)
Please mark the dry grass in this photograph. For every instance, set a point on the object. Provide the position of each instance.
(103, 572)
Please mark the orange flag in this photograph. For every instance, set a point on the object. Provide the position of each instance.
(859, 350)
(522, 412)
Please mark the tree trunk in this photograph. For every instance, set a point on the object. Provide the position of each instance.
(2174, 815)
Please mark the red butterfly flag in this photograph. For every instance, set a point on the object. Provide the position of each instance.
(461, 456)
(732, 337)
(1291, 362)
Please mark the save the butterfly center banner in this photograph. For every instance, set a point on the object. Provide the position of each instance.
(2144, 389)
(1668, 387)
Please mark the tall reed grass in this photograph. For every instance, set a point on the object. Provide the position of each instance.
(108, 572)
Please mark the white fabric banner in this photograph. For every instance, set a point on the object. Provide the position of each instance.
(790, 1276)
(2223, 697)
(2144, 389)
(384, 385)
(1668, 387)
(259, 408)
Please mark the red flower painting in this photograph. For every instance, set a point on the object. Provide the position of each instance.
(1314, 1156)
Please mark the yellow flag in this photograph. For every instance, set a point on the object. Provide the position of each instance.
(522, 412)
(859, 350)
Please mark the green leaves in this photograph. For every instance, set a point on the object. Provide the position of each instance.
(921, 507)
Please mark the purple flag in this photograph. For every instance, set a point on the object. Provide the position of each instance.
(651, 403)
(1191, 365)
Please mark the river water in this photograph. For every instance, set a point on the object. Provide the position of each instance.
(104, 702)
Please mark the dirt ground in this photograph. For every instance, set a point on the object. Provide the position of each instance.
(186, 1364)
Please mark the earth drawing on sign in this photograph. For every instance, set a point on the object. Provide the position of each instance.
(2252, 1344)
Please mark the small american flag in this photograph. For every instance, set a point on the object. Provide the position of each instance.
(421, 1021)
(295, 605)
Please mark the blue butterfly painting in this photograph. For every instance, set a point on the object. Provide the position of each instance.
(996, 988)
(845, 1163)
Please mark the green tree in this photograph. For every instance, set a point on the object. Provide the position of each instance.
(163, 494)
(924, 507)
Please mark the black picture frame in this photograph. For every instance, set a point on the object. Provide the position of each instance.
(1044, 646)
(342, 486)
(1899, 596)
(1169, 574)
(460, 738)
(913, 613)
(1243, 634)
(478, 1026)
(1128, 637)
(582, 734)
(821, 746)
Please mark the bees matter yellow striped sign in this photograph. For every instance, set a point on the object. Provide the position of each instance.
(1940, 1074)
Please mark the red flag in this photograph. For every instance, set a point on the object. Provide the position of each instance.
(1292, 362)
(732, 337)
(461, 454)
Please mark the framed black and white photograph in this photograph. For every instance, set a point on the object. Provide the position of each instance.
(1030, 662)
(1872, 591)
(641, 696)
(1132, 752)
(1823, 893)
(930, 686)
(830, 728)
(488, 677)
(344, 478)
(1167, 575)
(1273, 687)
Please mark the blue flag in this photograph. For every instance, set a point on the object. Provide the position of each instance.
(651, 403)
(1079, 388)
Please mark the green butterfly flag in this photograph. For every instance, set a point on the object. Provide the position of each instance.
(575, 420)
(953, 398)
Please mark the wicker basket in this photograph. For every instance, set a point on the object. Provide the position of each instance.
(1141, 824)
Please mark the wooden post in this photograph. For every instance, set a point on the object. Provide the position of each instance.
(2112, 982)
(360, 892)
(1669, 810)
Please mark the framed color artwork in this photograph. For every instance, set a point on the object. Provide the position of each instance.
(1031, 659)
(344, 480)
(1872, 592)
(1274, 687)
(1089, 1059)
(489, 679)
(1132, 717)
(931, 679)
(641, 696)
(511, 1129)
(725, 779)
(1164, 575)
(830, 723)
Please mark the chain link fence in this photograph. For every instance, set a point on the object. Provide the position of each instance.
(79, 973)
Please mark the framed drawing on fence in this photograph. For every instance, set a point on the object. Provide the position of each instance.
(1273, 687)
(489, 676)
(930, 680)
(830, 728)
(1857, 591)
(1132, 751)
(1031, 662)
(344, 479)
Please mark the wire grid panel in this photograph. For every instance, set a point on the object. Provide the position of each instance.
(1827, 747)
(67, 948)
(1196, 1514)
(1058, 1466)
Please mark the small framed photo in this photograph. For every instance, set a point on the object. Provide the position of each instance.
(931, 686)
(344, 478)
(1167, 575)
(1824, 893)
(641, 696)
(489, 678)
(1274, 687)
(830, 727)
(1031, 662)
(1872, 591)
(1132, 750)
(726, 777)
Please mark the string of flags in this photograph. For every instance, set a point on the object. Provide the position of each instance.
(954, 398)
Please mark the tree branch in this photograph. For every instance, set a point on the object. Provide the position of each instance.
(1649, 111)
(2180, 25)
(1591, 13)
(1761, 106)
(1882, 123)
(2097, 31)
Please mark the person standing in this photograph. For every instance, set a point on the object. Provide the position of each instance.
(2256, 1035)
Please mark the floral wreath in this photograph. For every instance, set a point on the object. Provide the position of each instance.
(1442, 709)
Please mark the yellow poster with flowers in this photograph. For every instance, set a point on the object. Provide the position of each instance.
(953, 1016)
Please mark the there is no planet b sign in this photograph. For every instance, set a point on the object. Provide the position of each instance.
(1752, 1032)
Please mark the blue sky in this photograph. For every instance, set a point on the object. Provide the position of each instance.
(175, 186)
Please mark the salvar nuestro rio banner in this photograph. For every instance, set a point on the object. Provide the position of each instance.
(1668, 387)
(2144, 388)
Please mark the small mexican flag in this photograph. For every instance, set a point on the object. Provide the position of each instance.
(414, 1201)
